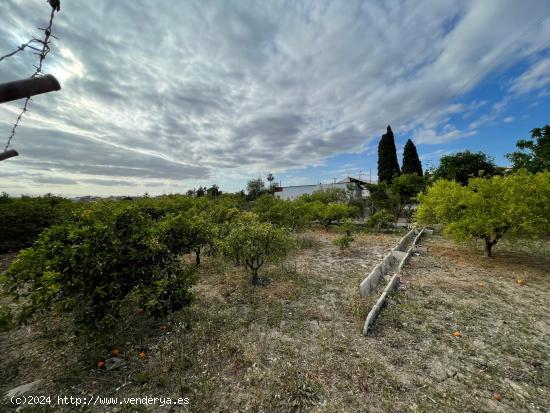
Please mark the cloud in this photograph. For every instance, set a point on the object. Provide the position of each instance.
(509, 119)
(535, 78)
(220, 91)
(433, 136)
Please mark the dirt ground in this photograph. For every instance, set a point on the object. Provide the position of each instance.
(295, 344)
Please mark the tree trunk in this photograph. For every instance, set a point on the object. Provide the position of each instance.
(255, 278)
(488, 246)
(198, 257)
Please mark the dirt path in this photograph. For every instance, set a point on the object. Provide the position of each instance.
(504, 346)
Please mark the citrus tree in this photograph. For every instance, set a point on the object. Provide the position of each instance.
(188, 231)
(91, 266)
(290, 214)
(328, 214)
(255, 243)
(517, 205)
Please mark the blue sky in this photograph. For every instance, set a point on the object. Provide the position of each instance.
(162, 99)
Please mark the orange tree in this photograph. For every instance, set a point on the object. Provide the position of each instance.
(517, 205)
(92, 265)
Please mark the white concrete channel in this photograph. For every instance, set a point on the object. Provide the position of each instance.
(395, 259)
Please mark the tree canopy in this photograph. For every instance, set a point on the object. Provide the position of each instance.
(255, 188)
(462, 166)
(533, 154)
(255, 243)
(411, 161)
(489, 209)
(388, 166)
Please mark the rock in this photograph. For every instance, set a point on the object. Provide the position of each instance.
(24, 388)
(450, 373)
(114, 363)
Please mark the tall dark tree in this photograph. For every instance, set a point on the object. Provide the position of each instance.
(411, 161)
(387, 158)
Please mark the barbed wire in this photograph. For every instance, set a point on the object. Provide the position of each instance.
(42, 53)
(22, 47)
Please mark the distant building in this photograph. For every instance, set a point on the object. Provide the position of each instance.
(358, 187)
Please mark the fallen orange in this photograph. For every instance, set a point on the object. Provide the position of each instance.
(521, 282)
(457, 334)
(141, 355)
(497, 397)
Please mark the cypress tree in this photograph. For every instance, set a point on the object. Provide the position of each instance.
(387, 158)
(411, 161)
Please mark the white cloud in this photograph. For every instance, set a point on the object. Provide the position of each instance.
(535, 78)
(433, 136)
(217, 91)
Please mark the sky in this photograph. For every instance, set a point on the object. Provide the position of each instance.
(163, 96)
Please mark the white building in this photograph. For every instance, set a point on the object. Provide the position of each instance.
(357, 186)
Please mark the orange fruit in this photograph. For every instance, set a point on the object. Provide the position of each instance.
(481, 285)
(141, 355)
(101, 364)
(497, 397)
(457, 334)
(521, 282)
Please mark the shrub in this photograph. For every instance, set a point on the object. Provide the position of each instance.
(343, 242)
(93, 265)
(6, 318)
(23, 219)
(255, 243)
(380, 221)
(290, 214)
(328, 214)
(187, 231)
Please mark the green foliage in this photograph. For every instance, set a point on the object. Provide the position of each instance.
(255, 188)
(403, 192)
(255, 243)
(343, 242)
(293, 215)
(23, 219)
(328, 214)
(411, 161)
(462, 166)
(214, 191)
(187, 231)
(380, 221)
(399, 197)
(388, 166)
(488, 209)
(6, 318)
(533, 154)
(379, 199)
(326, 196)
(92, 265)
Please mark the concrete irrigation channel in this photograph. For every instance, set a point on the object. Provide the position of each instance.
(392, 264)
